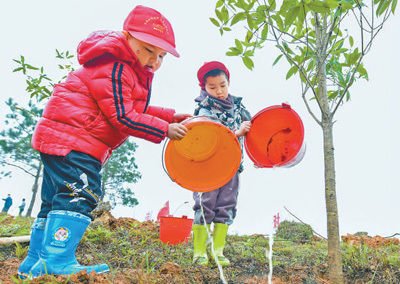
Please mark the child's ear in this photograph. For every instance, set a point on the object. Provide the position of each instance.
(126, 34)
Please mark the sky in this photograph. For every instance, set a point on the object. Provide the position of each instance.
(366, 132)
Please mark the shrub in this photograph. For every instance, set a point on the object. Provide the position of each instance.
(294, 231)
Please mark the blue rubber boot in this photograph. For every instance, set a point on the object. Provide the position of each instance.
(62, 234)
(35, 245)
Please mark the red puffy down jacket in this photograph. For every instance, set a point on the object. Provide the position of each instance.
(102, 103)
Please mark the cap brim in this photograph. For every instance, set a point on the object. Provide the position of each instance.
(155, 41)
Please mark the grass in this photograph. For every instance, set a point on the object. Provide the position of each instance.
(134, 252)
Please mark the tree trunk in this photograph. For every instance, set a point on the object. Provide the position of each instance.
(34, 189)
(103, 184)
(334, 254)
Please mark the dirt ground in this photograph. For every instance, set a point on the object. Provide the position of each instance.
(172, 273)
(169, 273)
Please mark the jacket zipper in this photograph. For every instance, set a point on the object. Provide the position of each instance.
(148, 95)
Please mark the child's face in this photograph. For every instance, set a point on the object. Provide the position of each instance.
(150, 57)
(217, 86)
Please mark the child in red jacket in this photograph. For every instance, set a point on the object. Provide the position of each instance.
(92, 113)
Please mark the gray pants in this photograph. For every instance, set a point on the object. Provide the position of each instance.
(219, 205)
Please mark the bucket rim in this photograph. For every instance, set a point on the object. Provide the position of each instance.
(282, 164)
(173, 217)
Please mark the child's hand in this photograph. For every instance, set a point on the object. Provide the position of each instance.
(178, 117)
(176, 131)
(243, 129)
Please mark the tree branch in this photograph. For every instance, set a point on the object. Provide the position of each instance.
(19, 167)
(304, 223)
(304, 91)
(347, 86)
(294, 63)
(329, 34)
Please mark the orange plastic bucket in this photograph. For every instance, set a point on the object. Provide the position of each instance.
(174, 230)
(206, 158)
(276, 137)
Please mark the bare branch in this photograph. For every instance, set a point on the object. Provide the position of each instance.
(303, 95)
(16, 166)
(329, 34)
(305, 20)
(304, 223)
(292, 36)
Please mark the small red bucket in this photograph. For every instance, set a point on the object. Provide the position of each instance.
(174, 230)
(276, 137)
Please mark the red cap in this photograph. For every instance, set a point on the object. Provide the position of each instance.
(207, 67)
(148, 25)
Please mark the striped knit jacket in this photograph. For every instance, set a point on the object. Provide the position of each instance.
(102, 103)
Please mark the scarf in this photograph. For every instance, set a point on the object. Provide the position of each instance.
(226, 105)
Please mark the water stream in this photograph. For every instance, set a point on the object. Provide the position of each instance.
(269, 256)
(221, 272)
(271, 243)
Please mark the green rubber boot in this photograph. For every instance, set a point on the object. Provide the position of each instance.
(220, 231)
(200, 237)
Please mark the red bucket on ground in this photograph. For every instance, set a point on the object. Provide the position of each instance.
(174, 230)
(276, 137)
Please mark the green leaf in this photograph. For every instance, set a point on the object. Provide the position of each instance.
(272, 4)
(219, 15)
(345, 6)
(287, 48)
(341, 79)
(333, 4)
(261, 16)
(239, 45)
(319, 6)
(264, 32)
(219, 3)
(394, 4)
(238, 17)
(225, 14)
(277, 59)
(262, 8)
(332, 94)
(249, 36)
(310, 66)
(249, 53)
(215, 22)
(382, 7)
(248, 62)
(292, 15)
(227, 29)
(18, 69)
(31, 67)
(291, 71)
(235, 51)
(351, 41)
(250, 21)
(286, 5)
(338, 44)
(278, 21)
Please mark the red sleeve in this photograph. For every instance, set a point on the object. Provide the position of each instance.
(112, 89)
(166, 114)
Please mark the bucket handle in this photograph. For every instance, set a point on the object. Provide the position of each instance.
(207, 116)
